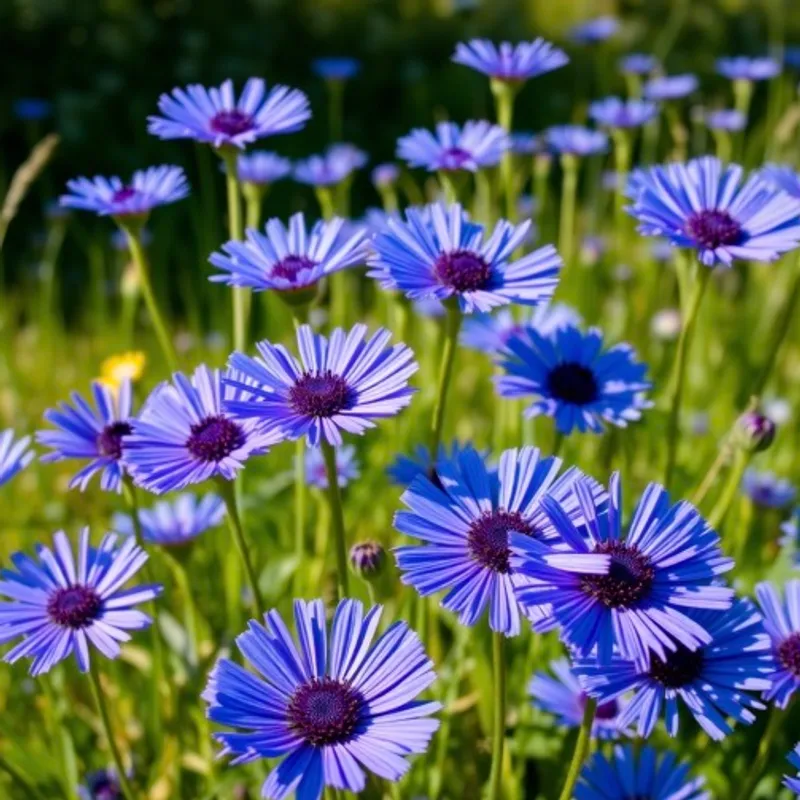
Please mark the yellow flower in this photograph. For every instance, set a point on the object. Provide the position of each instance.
(115, 369)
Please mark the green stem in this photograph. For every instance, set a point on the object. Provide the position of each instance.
(327, 206)
(337, 519)
(724, 146)
(452, 326)
(622, 163)
(499, 721)
(720, 510)
(192, 636)
(299, 499)
(504, 93)
(228, 494)
(20, 780)
(581, 750)
(711, 476)
(50, 307)
(569, 189)
(236, 232)
(742, 95)
(754, 771)
(100, 701)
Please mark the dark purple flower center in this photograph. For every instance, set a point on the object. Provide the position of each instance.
(102, 785)
(123, 194)
(462, 270)
(629, 579)
(789, 654)
(320, 394)
(109, 441)
(74, 606)
(487, 539)
(288, 267)
(572, 383)
(713, 228)
(325, 711)
(681, 667)
(215, 438)
(455, 158)
(231, 122)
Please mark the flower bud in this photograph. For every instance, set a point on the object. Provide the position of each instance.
(367, 559)
(754, 432)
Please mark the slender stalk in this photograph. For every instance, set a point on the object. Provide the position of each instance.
(720, 510)
(499, 722)
(50, 308)
(337, 518)
(20, 780)
(742, 95)
(724, 145)
(711, 476)
(569, 189)
(100, 701)
(236, 231)
(622, 163)
(581, 750)
(504, 93)
(139, 258)
(450, 331)
(542, 162)
(229, 495)
(190, 619)
(299, 499)
(776, 718)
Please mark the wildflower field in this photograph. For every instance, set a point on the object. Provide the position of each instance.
(400, 401)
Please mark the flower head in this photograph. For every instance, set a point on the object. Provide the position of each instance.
(638, 64)
(61, 605)
(594, 30)
(576, 140)
(347, 468)
(117, 369)
(525, 143)
(341, 383)
(782, 623)
(616, 113)
(465, 514)
(714, 681)
(451, 147)
(671, 87)
(509, 62)
(336, 68)
(327, 704)
(404, 469)
(262, 167)
(794, 760)
(782, 177)
(702, 206)
(332, 167)
(147, 189)
(729, 120)
(184, 434)
(573, 379)
(767, 490)
(385, 175)
(94, 434)
(367, 559)
(14, 455)
(742, 68)
(103, 784)
(754, 431)
(438, 252)
(32, 109)
(216, 117)
(667, 563)
(175, 522)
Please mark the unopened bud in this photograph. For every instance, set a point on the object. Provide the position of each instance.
(367, 559)
(754, 432)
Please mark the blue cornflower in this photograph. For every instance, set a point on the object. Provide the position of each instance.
(525, 143)
(573, 379)
(32, 109)
(216, 117)
(638, 64)
(175, 522)
(701, 206)
(742, 68)
(564, 697)
(149, 188)
(713, 681)
(385, 175)
(336, 68)
(632, 774)
(791, 535)
(782, 623)
(726, 119)
(185, 436)
(62, 605)
(332, 167)
(103, 784)
(347, 468)
(14, 456)
(782, 177)
(404, 469)
(666, 564)
(616, 113)
(575, 140)
(595, 30)
(509, 62)
(376, 220)
(289, 259)
(794, 760)
(489, 333)
(96, 434)
(671, 87)
(262, 167)
(464, 515)
(766, 489)
(328, 705)
(437, 252)
(341, 383)
(451, 147)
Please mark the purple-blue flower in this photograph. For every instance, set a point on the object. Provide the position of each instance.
(595, 30)
(385, 175)
(147, 189)
(327, 705)
(794, 760)
(703, 206)
(404, 469)
(791, 535)
(616, 113)
(437, 252)
(525, 143)
(666, 565)
(765, 489)
(633, 773)
(714, 681)
(97, 434)
(573, 379)
(335, 165)
(102, 784)
(62, 605)
(637, 64)
(262, 167)
(782, 623)
(347, 468)
(341, 383)
(217, 117)
(184, 435)
(14, 455)
(671, 87)
(452, 147)
(175, 522)
(32, 109)
(575, 140)
(289, 258)
(509, 62)
(336, 68)
(742, 68)
(782, 177)
(726, 119)
(464, 516)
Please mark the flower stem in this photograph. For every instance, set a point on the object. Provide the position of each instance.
(499, 722)
(622, 163)
(100, 701)
(720, 510)
(581, 750)
(504, 93)
(228, 494)
(337, 518)
(754, 772)
(299, 498)
(236, 232)
(450, 331)
(569, 189)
